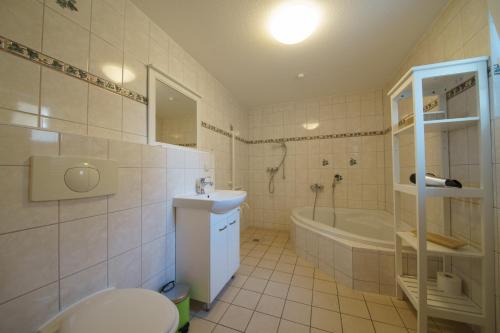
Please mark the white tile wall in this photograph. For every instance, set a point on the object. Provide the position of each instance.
(54, 253)
(104, 33)
(363, 184)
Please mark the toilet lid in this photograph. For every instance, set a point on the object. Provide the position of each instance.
(124, 311)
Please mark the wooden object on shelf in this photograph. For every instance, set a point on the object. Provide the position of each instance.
(449, 242)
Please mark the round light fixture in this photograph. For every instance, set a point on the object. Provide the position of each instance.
(118, 74)
(294, 21)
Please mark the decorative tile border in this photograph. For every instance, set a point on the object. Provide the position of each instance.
(69, 4)
(223, 132)
(25, 52)
(297, 138)
(461, 88)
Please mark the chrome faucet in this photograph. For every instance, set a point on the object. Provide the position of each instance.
(201, 183)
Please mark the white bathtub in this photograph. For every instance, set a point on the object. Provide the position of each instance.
(358, 251)
(369, 227)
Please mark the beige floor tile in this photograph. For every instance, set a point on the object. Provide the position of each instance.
(300, 295)
(352, 324)
(269, 264)
(247, 299)
(255, 284)
(291, 327)
(262, 273)
(228, 294)
(328, 287)
(275, 250)
(302, 281)
(222, 329)
(245, 269)
(384, 314)
(326, 320)
(409, 318)
(198, 325)
(281, 277)
(250, 261)
(353, 307)
(401, 304)
(261, 323)
(236, 317)
(376, 298)
(304, 271)
(297, 312)
(271, 305)
(386, 328)
(288, 259)
(257, 253)
(348, 292)
(285, 268)
(276, 289)
(271, 256)
(303, 262)
(323, 276)
(326, 301)
(215, 313)
(238, 280)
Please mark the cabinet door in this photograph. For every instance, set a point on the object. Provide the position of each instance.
(233, 223)
(218, 255)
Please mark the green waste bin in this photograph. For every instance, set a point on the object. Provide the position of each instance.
(179, 294)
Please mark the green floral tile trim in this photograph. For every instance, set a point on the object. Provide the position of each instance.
(58, 65)
(461, 88)
(69, 4)
(296, 138)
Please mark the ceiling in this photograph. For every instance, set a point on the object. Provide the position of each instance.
(358, 45)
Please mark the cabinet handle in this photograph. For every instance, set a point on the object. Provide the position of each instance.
(223, 228)
(232, 223)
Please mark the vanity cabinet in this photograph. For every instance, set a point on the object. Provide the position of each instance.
(207, 250)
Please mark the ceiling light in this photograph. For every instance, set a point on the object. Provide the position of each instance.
(300, 76)
(170, 99)
(115, 72)
(292, 22)
(310, 126)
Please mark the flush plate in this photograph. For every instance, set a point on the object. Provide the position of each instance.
(57, 178)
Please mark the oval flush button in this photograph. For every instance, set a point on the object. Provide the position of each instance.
(82, 178)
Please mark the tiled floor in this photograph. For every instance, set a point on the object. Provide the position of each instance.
(276, 291)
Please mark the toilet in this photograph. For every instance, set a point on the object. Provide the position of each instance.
(117, 310)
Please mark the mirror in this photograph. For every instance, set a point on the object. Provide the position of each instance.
(172, 112)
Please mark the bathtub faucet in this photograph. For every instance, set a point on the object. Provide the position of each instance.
(317, 187)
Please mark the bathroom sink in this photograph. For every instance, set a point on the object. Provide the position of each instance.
(217, 202)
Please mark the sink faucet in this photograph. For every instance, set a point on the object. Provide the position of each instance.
(201, 183)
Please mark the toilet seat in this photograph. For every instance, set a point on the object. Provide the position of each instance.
(117, 310)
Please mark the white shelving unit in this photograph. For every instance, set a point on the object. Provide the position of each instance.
(428, 300)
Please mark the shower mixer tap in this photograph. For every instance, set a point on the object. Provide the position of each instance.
(317, 187)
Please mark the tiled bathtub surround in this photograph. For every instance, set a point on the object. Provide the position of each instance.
(355, 265)
(363, 183)
(54, 253)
